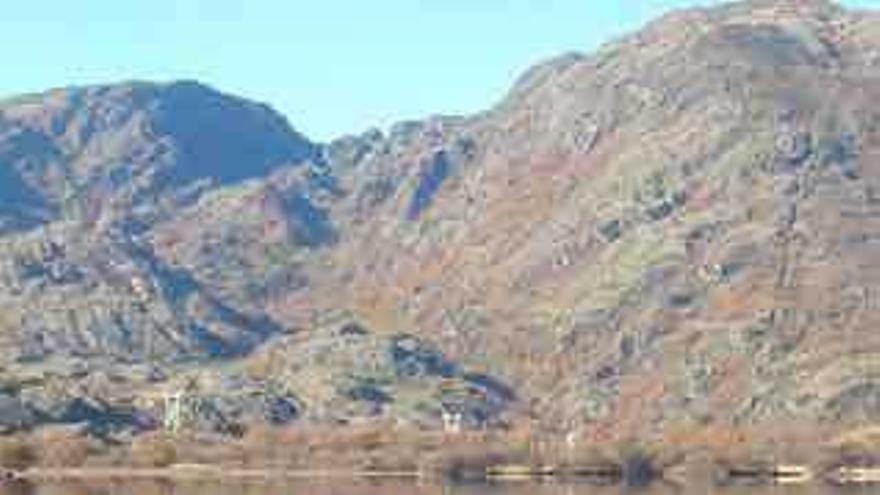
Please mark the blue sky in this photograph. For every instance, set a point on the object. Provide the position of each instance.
(332, 66)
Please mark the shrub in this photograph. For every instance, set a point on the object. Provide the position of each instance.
(154, 451)
(590, 456)
(393, 458)
(857, 447)
(638, 465)
(60, 448)
(641, 463)
(16, 487)
(467, 459)
(16, 454)
(726, 445)
(261, 446)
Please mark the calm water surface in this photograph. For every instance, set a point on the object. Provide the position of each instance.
(400, 488)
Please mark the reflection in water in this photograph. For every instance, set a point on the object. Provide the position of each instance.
(15, 488)
(392, 488)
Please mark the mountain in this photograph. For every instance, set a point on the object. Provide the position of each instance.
(677, 228)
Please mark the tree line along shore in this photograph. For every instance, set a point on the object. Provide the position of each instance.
(779, 454)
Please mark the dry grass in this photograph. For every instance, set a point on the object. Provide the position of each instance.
(16, 488)
(61, 448)
(463, 456)
(16, 453)
(855, 447)
(153, 451)
(213, 450)
(385, 447)
(724, 444)
(381, 447)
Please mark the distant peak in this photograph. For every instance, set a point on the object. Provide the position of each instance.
(791, 3)
(783, 7)
(190, 86)
(141, 88)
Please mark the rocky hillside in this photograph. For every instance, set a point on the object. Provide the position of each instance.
(676, 228)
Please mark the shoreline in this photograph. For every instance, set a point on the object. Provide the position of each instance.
(845, 475)
(203, 472)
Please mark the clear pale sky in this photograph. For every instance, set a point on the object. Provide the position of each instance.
(332, 66)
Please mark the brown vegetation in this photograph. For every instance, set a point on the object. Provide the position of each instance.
(61, 448)
(154, 451)
(16, 454)
(857, 447)
(705, 451)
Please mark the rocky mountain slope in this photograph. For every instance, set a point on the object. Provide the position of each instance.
(676, 228)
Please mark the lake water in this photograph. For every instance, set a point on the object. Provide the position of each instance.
(401, 488)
